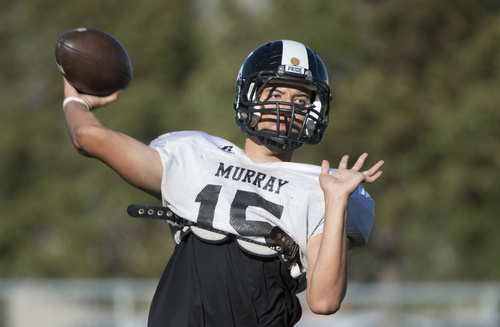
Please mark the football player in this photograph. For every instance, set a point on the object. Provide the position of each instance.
(252, 228)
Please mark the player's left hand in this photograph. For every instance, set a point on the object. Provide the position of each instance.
(344, 181)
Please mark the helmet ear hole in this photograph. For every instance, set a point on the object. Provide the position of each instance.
(310, 127)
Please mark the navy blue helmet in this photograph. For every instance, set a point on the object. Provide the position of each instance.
(291, 63)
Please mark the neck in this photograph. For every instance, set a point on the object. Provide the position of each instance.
(259, 153)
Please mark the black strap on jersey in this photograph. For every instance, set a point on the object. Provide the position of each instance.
(285, 243)
(153, 212)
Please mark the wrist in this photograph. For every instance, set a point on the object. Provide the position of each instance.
(336, 198)
(75, 99)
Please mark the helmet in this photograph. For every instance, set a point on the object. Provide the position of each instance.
(288, 63)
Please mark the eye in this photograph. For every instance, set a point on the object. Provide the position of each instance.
(302, 100)
(275, 96)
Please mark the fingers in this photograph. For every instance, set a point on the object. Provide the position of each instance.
(325, 167)
(357, 166)
(373, 173)
(359, 163)
(371, 179)
(375, 168)
(112, 97)
(343, 162)
(92, 101)
(97, 101)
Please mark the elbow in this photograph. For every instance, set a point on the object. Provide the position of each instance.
(326, 303)
(84, 137)
(325, 307)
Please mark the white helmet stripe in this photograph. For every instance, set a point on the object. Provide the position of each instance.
(291, 50)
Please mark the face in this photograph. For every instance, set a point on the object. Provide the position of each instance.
(284, 94)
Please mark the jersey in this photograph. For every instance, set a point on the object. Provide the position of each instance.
(212, 182)
(209, 180)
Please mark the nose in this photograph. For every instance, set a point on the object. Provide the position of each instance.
(289, 96)
(287, 101)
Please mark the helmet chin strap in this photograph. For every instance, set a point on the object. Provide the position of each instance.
(276, 144)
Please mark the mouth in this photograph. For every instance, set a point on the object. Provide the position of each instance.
(282, 126)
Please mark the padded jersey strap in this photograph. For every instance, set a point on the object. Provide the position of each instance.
(285, 245)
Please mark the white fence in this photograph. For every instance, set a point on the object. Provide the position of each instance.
(125, 303)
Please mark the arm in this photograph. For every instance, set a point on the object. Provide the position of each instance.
(134, 161)
(327, 252)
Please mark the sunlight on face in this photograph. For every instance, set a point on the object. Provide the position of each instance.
(283, 93)
(286, 93)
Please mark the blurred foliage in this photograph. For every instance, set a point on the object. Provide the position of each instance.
(414, 83)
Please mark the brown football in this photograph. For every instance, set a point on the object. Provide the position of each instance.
(93, 61)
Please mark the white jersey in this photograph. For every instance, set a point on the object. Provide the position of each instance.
(209, 180)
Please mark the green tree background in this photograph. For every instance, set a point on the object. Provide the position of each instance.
(415, 83)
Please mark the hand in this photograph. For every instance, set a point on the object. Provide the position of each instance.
(91, 100)
(344, 181)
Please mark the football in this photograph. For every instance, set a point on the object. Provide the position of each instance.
(93, 61)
